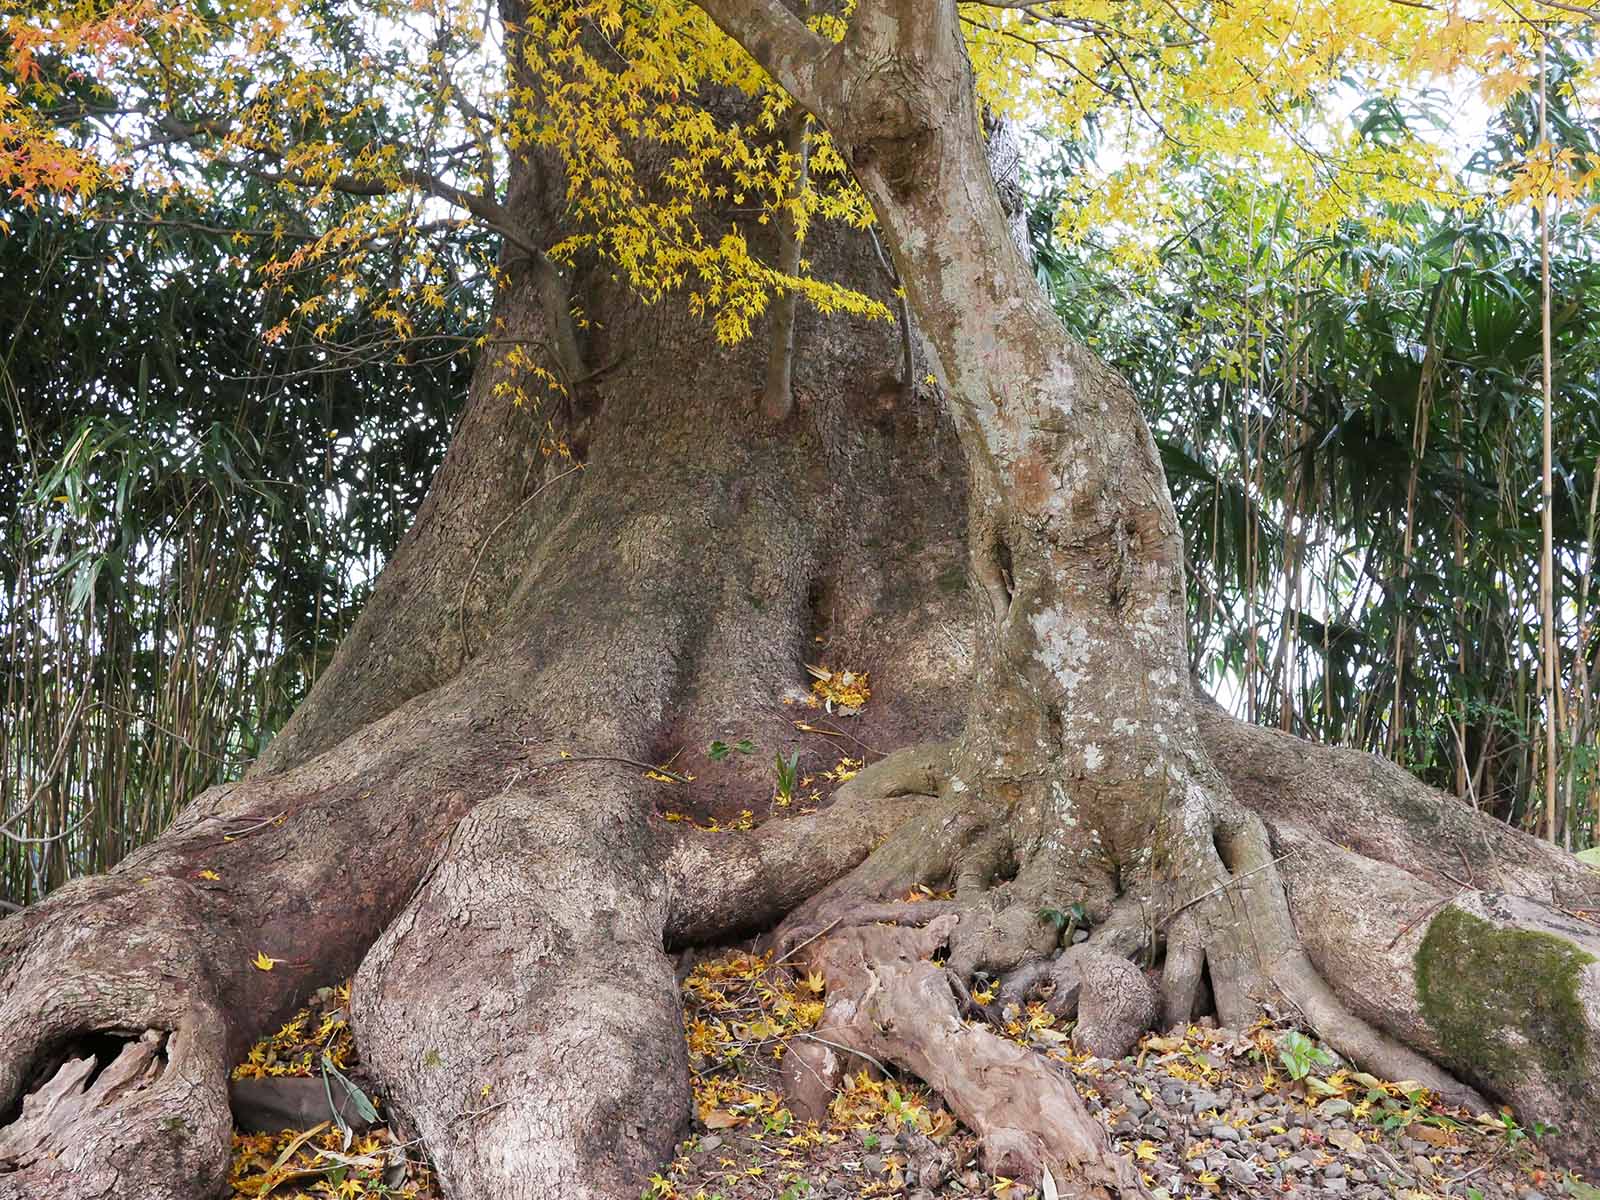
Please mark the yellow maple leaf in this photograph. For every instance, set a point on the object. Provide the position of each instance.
(1145, 1151)
(208, 873)
(262, 963)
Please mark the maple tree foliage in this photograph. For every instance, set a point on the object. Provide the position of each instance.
(415, 106)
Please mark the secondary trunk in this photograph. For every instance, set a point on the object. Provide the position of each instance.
(1081, 774)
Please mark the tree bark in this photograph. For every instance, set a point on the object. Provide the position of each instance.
(510, 908)
(1081, 773)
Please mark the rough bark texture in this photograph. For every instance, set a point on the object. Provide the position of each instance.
(510, 908)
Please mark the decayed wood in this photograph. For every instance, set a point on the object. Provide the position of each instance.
(887, 999)
(74, 1094)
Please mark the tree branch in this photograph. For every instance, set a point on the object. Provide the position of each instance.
(778, 40)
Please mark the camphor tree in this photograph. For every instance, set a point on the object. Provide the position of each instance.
(665, 495)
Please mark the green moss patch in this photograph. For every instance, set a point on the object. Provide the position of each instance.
(1502, 999)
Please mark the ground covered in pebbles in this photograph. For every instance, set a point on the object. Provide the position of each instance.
(1204, 1112)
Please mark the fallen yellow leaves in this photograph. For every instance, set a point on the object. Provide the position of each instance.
(293, 1049)
(843, 693)
(316, 1163)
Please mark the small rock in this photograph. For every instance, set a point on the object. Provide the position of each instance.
(1204, 1101)
(710, 1142)
(1225, 1133)
(1349, 1141)
(1329, 1109)
(1295, 1163)
(1333, 1171)
(872, 1164)
(1337, 1186)
(1243, 1173)
(289, 1102)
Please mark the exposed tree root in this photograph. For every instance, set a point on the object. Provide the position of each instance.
(522, 1012)
(1224, 921)
(724, 884)
(145, 1123)
(1385, 813)
(888, 1000)
(1503, 990)
(166, 942)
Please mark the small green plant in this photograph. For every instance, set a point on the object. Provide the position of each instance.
(1067, 922)
(776, 1122)
(798, 1189)
(788, 774)
(718, 751)
(1299, 1054)
(869, 1141)
(1514, 1133)
(905, 1110)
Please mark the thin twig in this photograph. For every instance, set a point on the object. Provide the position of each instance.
(461, 608)
(811, 1037)
(488, 1108)
(1187, 904)
(614, 758)
(1428, 912)
(230, 835)
(809, 940)
(49, 774)
(856, 740)
(48, 838)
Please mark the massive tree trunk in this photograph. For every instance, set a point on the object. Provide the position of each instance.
(510, 908)
(461, 811)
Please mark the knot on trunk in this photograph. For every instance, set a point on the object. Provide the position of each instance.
(1116, 1003)
(892, 130)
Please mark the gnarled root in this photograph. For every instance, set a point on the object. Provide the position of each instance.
(114, 1070)
(521, 1012)
(1502, 989)
(1244, 931)
(888, 1000)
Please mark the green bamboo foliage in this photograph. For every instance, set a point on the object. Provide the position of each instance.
(1354, 447)
(189, 521)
